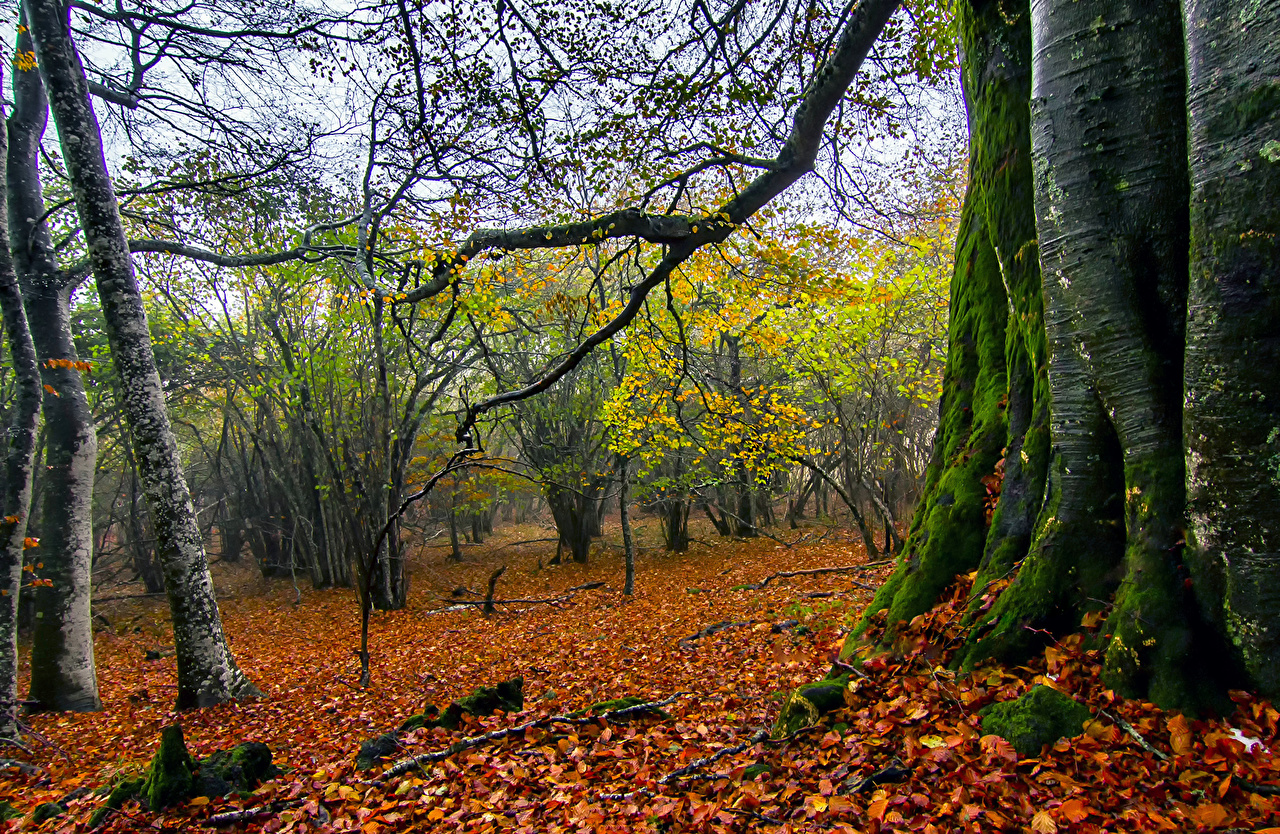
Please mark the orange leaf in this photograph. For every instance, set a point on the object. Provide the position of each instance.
(1212, 815)
(1073, 810)
(1179, 735)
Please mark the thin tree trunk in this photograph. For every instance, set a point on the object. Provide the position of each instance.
(207, 673)
(1232, 411)
(18, 466)
(624, 520)
(63, 676)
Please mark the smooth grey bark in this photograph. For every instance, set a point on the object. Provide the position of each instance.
(207, 673)
(1232, 407)
(19, 451)
(1108, 116)
(624, 520)
(63, 674)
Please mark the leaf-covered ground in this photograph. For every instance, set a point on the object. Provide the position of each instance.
(909, 717)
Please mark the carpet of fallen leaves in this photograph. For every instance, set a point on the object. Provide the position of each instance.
(908, 712)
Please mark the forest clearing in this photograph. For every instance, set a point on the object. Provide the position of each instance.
(906, 752)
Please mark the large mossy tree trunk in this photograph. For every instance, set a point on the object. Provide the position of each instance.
(207, 673)
(63, 675)
(1087, 397)
(1232, 417)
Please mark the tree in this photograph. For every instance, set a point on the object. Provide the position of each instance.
(1067, 390)
(19, 457)
(207, 673)
(63, 676)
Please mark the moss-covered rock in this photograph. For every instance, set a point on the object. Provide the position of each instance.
(8, 812)
(507, 696)
(1040, 717)
(242, 768)
(808, 703)
(47, 811)
(375, 750)
(426, 718)
(170, 778)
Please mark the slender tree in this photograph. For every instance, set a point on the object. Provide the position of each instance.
(19, 451)
(63, 676)
(207, 673)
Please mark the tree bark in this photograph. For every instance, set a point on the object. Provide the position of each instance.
(1232, 412)
(63, 676)
(1109, 144)
(207, 673)
(18, 464)
(624, 520)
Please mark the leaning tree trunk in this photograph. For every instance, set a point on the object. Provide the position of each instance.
(207, 673)
(63, 676)
(1232, 416)
(18, 464)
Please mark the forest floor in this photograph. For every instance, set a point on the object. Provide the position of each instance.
(908, 720)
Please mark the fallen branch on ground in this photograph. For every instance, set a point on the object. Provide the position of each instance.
(246, 814)
(723, 625)
(405, 765)
(697, 764)
(1134, 734)
(894, 771)
(787, 574)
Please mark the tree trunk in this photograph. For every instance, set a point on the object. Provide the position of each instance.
(624, 520)
(18, 464)
(574, 515)
(1232, 412)
(1107, 127)
(63, 676)
(1109, 144)
(207, 673)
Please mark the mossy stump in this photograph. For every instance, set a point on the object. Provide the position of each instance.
(169, 780)
(809, 703)
(1040, 717)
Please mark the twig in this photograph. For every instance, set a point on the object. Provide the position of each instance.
(755, 815)
(786, 574)
(894, 771)
(1128, 728)
(628, 794)
(697, 764)
(233, 817)
(405, 765)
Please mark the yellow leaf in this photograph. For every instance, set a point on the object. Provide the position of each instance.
(933, 742)
(1042, 823)
(199, 800)
(436, 815)
(819, 803)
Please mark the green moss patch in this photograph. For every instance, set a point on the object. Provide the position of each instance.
(1040, 717)
(809, 703)
(625, 702)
